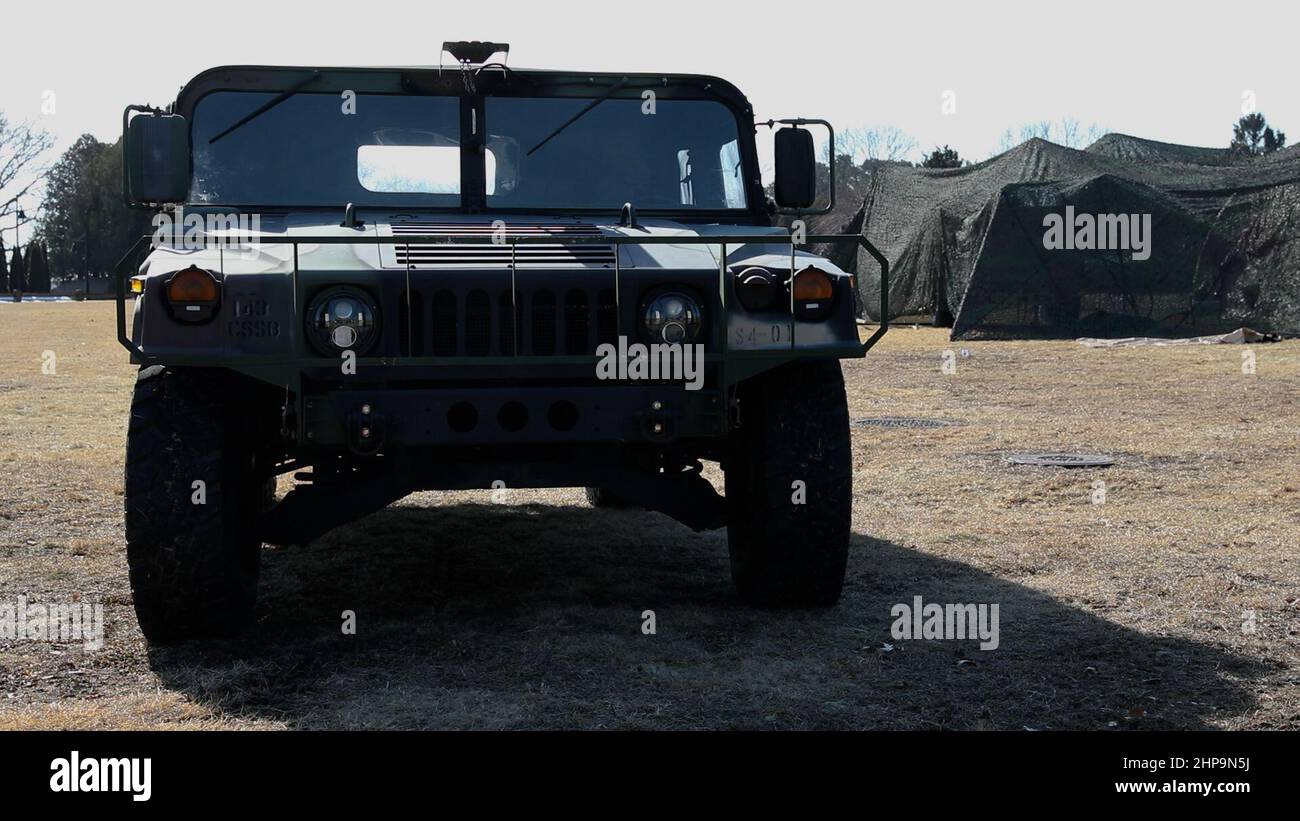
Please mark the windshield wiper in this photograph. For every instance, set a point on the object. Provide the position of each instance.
(268, 105)
(614, 89)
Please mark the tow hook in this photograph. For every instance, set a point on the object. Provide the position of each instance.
(365, 430)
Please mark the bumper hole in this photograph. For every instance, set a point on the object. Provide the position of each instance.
(563, 415)
(512, 416)
(462, 417)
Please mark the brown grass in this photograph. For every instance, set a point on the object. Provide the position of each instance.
(527, 614)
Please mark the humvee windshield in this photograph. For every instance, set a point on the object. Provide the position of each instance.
(397, 150)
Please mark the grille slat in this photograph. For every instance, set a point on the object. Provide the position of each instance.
(507, 324)
(540, 255)
(478, 324)
(606, 317)
(543, 323)
(445, 324)
(576, 322)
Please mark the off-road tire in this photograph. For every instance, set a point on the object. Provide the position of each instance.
(604, 497)
(193, 567)
(793, 427)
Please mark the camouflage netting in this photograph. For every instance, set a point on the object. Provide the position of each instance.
(966, 244)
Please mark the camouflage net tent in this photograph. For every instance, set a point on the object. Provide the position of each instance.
(966, 245)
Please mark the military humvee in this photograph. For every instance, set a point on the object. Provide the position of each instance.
(384, 280)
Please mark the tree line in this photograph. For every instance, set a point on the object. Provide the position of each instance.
(30, 274)
(868, 147)
(81, 226)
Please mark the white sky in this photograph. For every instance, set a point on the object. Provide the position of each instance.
(1172, 71)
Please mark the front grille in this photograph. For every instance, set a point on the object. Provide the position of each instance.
(543, 324)
(478, 323)
(577, 322)
(488, 322)
(445, 322)
(436, 255)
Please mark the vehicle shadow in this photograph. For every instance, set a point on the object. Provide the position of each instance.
(530, 616)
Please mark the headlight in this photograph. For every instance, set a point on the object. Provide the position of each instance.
(756, 288)
(673, 317)
(342, 319)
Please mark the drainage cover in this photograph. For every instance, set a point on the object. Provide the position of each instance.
(902, 422)
(1062, 460)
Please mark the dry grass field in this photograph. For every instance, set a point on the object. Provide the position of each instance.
(1134, 613)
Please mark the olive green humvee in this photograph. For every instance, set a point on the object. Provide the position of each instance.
(384, 280)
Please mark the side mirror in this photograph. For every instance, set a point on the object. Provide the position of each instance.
(796, 168)
(155, 157)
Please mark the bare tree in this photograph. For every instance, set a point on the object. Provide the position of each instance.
(20, 146)
(1007, 141)
(1041, 130)
(1070, 132)
(1095, 132)
(1067, 131)
(882, 144)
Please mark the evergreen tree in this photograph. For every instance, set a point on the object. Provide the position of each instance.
(1252, 136)
(942, 158)
(38, 270)
(17, 274)
(83, 196)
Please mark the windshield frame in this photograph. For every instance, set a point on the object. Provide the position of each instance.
(472, 89)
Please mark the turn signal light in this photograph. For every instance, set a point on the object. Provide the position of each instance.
(193, 294)
(192, 285)
(812, 285)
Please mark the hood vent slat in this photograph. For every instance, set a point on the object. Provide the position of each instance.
(453, 255)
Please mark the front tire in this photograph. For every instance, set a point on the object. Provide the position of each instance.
(191, 549)
(788, 541)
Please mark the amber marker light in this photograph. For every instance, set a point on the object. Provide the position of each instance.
(193, 294)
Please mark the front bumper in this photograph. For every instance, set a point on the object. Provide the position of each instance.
(369, 420)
